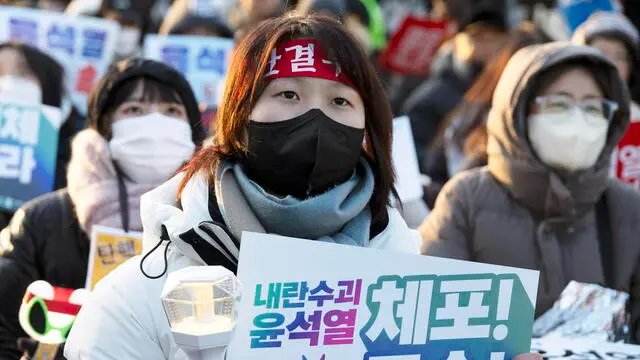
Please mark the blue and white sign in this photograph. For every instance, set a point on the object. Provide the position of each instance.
(371, 304)
(203, 60)
(28, 152)
(576, 12)
(84, 46)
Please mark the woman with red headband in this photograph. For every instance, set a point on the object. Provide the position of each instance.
(303, 133)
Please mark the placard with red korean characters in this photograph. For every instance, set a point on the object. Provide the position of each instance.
(413, 47)
(625, 161)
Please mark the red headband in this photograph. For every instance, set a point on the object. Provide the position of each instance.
(303, 57)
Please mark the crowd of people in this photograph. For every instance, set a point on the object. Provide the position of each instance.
(516, 129)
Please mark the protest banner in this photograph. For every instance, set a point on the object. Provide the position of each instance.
(572, 349)
(203, 60)
(575, 12)
(625, 160)
(110, 248)
(28, 151)
(626, 157)
(405, 161)
(314, 300)
(84, 46)
(413, 47)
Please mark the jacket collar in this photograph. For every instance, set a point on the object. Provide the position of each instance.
(191, 217)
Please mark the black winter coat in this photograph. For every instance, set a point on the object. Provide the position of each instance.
(430, 103)
(46, 243)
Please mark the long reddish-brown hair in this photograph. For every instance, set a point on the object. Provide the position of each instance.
(246, 82)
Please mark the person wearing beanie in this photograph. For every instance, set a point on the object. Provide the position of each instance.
(614, 35)
(143, 126)
(459, 62)
(617, 38)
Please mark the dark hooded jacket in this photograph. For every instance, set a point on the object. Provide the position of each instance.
(434, 99)
(45, 240)
(518, 212)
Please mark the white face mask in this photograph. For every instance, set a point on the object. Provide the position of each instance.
(571, 140)
(20, 89)
(128, 42)
(151, 148)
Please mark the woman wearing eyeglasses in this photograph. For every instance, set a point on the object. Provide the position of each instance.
(545, 201)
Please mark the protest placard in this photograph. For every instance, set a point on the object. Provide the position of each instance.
(572, 349)
(625, 160)
(28, 151)
(575, 12)
(314, 300)
(203, 60)
(405, 161)
(110, 248)
(84, 46)
(626, 157)
(413, 47)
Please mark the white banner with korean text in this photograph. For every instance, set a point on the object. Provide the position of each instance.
(321, 301)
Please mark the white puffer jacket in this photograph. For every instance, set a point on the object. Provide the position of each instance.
(124, 317)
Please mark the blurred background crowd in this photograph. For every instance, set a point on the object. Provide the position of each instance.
(441, 72)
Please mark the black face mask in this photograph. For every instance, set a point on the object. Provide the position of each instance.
(303, 156)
